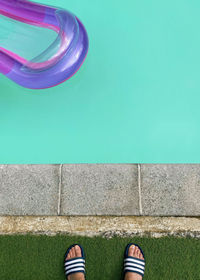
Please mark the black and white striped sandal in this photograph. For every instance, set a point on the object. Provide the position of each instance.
(74, 265)
(132, 264)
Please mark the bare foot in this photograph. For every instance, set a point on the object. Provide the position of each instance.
(74, 253)
(134, 251)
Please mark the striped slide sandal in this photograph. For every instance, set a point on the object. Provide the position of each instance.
(74, 265)
(132, 264)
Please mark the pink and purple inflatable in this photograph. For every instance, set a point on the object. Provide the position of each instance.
(72, 42)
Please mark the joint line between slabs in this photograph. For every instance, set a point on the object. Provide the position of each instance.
(59, 189)
(139, 189)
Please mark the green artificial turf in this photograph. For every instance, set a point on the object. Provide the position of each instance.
(28, 257)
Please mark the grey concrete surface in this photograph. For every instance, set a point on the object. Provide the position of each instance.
(170, 190)
(99, 189)
(29, 189)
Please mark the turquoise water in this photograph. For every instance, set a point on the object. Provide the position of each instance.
(26, 40)
(135, 99)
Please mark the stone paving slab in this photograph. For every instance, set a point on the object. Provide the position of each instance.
(170, 190)
(99, 189)
(29, 189)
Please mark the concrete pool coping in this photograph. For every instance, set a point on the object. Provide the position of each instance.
(100, 189)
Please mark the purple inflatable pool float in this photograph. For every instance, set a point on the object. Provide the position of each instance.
(72, 42)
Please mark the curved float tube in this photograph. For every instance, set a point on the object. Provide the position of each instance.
(72, 50)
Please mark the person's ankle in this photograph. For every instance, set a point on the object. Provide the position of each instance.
(77, 277)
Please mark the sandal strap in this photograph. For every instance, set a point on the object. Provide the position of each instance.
(135, 265)
(74, 265)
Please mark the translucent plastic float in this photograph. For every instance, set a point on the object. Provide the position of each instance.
(59, 61)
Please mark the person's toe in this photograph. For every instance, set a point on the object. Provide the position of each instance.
(77, 251)
(138, 252)
(73, 253)
(131, 250)
(134, 252)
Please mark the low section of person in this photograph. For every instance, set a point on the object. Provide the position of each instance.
(134, 263)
